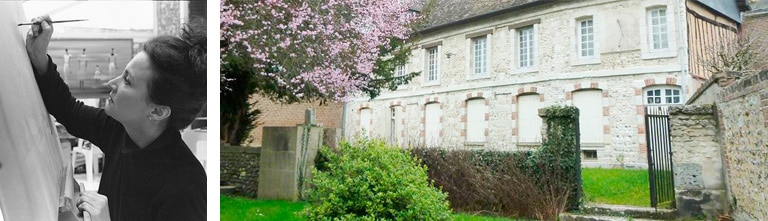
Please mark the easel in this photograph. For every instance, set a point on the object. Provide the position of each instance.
(36, 180)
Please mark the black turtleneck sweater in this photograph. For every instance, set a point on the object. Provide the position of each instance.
(163, 181)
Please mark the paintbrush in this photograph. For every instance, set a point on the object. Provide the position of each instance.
(61, 21)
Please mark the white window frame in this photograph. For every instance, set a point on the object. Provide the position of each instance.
(664, 92)
(485, 57)
(580, 35)
(432, 132)
(531, 56)
(427, 66)
(651, 29)
(393, 128)
(646, 30)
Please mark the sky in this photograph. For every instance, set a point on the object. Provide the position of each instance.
(100, 14)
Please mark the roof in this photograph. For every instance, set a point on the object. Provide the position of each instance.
(444, 13)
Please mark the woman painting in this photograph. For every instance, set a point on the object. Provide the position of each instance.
(149, 173)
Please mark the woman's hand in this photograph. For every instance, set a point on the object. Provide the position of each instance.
(95, 204)
(38, 37)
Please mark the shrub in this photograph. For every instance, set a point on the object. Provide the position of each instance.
(537, 184)
(370, 181)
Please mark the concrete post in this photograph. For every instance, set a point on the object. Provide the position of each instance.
(287, 156)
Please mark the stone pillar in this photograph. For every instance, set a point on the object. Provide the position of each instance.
(697, 162)
(287, 156)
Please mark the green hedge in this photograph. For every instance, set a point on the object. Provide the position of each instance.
(369, 181)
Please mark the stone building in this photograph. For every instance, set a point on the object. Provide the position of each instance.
(488, 66)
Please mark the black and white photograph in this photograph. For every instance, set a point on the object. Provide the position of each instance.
(103, 110)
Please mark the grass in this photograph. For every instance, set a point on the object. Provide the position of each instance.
(241, 208)
(616, 186)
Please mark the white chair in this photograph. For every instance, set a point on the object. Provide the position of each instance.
(201, 152)
(90, 151)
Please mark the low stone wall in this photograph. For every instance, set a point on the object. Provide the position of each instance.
(240, 168)
(698, 168)
(743, 113)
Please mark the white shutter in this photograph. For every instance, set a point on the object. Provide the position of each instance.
(432, 125)
(365, 122)
(528, 120)
(476, 123)
(590, 104)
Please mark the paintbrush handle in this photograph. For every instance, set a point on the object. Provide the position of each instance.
(61, 21)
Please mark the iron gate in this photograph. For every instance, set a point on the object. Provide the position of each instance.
(660, 175)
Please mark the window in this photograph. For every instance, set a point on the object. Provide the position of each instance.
(480, 56)
(432, 124)
(590, 155)
(586, 36)
(657, 24)
(528, 120)
(392, 124)
(365, 122)
(476, 124)
(590, 104)
(662, 95)
(399, 70)
(526, 47)
(432, 64)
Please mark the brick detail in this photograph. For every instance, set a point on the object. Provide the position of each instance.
(514, 99)
(514, 131)
(606, 111)
(605, 93)
(671, 81)
(514, 115)
(576, 86)
(640, 110)
(463, 132)
(606, 129)
(638, 92)
(641, 129)
(541, 97)
(650, 81)
(568, 96)
(593, 85)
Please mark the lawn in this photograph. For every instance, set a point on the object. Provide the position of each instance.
(616, 186)
(241, 208)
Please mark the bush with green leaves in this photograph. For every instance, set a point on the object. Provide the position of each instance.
(368, 180)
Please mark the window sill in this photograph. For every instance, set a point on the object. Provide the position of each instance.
(659, 54)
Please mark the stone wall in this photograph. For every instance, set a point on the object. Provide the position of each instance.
(697, 160)
(743, 113)
(240, 168)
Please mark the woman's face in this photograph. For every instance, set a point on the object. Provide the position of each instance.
(129, 99)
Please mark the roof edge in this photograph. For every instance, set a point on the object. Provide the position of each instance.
(483, 16)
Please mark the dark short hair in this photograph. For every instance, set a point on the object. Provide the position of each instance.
(179, 79)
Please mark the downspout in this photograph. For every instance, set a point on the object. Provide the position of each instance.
(682, 54)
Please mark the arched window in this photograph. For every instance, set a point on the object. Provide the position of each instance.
(476, 124)
(662, 95)
(590, 104)
(365, 122)
(528, 120)
(432, 124)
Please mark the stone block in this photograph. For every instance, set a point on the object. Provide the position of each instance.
(700, 203)
(688, 176)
